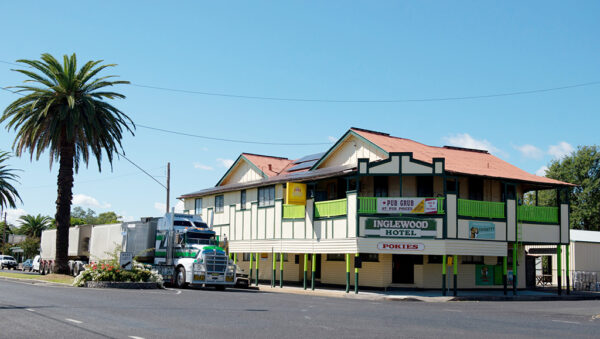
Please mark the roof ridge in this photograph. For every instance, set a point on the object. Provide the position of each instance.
(265, 156)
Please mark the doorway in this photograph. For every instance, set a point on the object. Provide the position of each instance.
(403, 268)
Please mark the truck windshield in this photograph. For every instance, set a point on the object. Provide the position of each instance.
(196, 241)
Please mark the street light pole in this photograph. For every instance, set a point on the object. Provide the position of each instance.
(168, 184)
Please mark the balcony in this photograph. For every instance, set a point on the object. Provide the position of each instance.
(368, 205)
(481, 209)
(541, 214)
(293, 211)
(331, 208)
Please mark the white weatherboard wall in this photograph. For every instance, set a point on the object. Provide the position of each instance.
(243, 172)
(464, 229)
(350, 150)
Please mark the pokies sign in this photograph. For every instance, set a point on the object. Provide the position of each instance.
(400, 228)
(407, 205)
(400, 246)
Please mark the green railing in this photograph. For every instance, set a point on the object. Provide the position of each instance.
(481, 209)
(331, 208)
(542, 214)
(293, 211)
(368, 205)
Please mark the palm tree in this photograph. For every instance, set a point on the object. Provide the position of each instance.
(32, 226)
(64, 111)
(8, 193)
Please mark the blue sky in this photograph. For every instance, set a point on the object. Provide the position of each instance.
(319, 50)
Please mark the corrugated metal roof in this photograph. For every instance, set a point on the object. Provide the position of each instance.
(587, 236)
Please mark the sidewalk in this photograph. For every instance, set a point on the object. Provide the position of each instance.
(431, 295)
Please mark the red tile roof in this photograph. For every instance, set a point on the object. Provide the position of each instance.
(462, 161)
(271, 166)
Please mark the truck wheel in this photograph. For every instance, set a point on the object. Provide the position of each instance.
(180, 278)
(75, 270)
(42, 269)
(220, 287)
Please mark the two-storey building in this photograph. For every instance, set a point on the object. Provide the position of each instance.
(407, 214)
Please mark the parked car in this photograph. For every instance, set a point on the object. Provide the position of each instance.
(35, 265)
(27, 265)
(6, 261)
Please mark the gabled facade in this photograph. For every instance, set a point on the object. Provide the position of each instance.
(400, 206)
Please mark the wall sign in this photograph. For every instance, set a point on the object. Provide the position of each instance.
(407, 205)
(400, 246)
(482, 230)
(400, 227)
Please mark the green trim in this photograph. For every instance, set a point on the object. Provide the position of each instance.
(455, 264)
(481, 209)
(331, 208)
(539, 214)
(559, 260)
(305, 269)
(444, 264)
(314, 269)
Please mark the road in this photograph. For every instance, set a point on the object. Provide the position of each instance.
(46, 310)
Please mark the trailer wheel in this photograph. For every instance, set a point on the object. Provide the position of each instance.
(75, 269)
(220, 287)
(180, 278)
(42, 269)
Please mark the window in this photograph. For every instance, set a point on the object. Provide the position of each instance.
(246, 257)
(266, 196)
(219, 202)
(451, 185)
(475, 188)
(243, 199)
(425, 186)
(380, 186)
(472, 259)
(369, 257)
(285, 257)
(198, 206)
(336, 257)
(435, 259)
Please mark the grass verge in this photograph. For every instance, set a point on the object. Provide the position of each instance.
(57, 278)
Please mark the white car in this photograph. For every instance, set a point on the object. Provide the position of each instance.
(35, 266)
(6, 261)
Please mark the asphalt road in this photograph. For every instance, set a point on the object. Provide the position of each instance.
(42, 310)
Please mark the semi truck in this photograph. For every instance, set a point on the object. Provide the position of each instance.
(181, 247)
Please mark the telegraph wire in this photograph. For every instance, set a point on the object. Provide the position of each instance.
(141, 169)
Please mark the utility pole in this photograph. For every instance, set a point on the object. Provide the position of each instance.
(168, 184)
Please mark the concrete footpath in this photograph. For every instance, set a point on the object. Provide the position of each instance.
(432, 295)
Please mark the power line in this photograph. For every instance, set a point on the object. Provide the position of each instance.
(470, 97)
(141, 169)
(233, 140)
(93, 180)
(391, 100)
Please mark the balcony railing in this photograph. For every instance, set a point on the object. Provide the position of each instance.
(481, 209)
(541, 214)
(293, 211)
(368, 205)
(331, 208)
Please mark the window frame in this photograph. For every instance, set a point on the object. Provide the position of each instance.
(243, 199)
(336, 257)
(269, 201)
(219, 208)
(472, 259)
(196, 206)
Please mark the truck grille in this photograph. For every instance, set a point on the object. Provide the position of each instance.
(215, 263)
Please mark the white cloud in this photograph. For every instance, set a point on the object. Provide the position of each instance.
(13, 215)
(542, 171)
(202, 167)
(561, 150)
(161, 207)
(530, 151)
(87, 201)
(332, 139)
(225, 162)
(467, 141)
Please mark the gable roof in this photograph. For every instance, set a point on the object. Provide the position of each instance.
(267, 166)
(457, 160)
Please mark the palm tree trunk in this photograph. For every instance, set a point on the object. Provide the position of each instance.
(63, 207)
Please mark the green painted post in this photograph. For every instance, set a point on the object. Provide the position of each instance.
(455, 269)
(250, 276)
(356, 277)
(274, 269)
(305, 268)
(559, 268)
(514, 265)
(444, 264)
(505, 273)
(256, 268)
(347, 272)
(314, 269)
(235, 258)
(280, 270)
(567, 268)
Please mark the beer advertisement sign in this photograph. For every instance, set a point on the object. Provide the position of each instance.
(400, 227)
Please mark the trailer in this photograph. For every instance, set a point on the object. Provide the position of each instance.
(78, 251)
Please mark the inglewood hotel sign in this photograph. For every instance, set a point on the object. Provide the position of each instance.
(400, 227)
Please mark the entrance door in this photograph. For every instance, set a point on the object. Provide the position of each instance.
(530, 271)
(403, 268)
(318, 267)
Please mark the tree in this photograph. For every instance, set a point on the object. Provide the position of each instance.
(31, 247)
(107, 218)
(64, 111)
(8, 193)
(582, 168)
(32, 226)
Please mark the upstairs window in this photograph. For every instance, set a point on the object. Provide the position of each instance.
(219, 203)
(266, 196)
(425, 186)
(243, 199)
(380, 186)
(198, 206)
